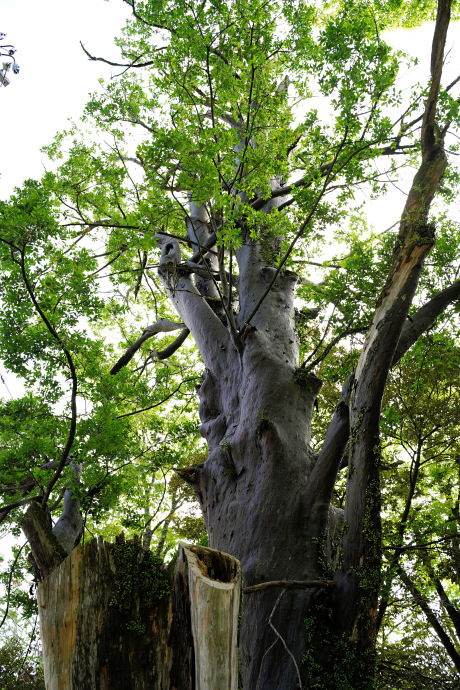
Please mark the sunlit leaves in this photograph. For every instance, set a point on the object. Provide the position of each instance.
(420, 425)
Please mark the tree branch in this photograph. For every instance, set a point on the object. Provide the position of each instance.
(424, 318)
(171, 349)
(28, 483)
(394, 560)
(289, 584)
(161, 326)
(46, 550)
(452, 611)
(73, 375)
(4, 510)
(332, 344)
(151, 407)
(428, 138)
(321, 481)
(422, 602)
(121, 64)
(207, 329)
(132, 4)
(10, 579)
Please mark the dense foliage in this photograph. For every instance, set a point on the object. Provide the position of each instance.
(17, 670)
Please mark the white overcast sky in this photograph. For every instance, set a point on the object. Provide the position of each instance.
(55, 77)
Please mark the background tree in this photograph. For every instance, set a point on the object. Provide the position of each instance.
(7, 51)
(17, 672)
(421, 425)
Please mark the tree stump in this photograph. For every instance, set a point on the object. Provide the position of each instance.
(105, 626)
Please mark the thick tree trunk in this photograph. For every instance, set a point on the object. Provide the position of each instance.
(256, 407)
(102, 625)
(252, 494)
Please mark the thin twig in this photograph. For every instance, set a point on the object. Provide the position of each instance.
(10, 578)
(289, 584)
(4, 510)
(282, 640)
(150, 407)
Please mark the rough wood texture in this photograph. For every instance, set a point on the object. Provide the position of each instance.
(214, 606)
(186, 641)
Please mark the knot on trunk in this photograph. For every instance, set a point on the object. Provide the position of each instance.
(190, 474)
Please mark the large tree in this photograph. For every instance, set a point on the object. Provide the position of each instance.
(236, 161)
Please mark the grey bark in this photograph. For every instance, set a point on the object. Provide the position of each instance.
(68, 530)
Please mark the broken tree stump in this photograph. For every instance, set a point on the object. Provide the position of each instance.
(113, 619)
